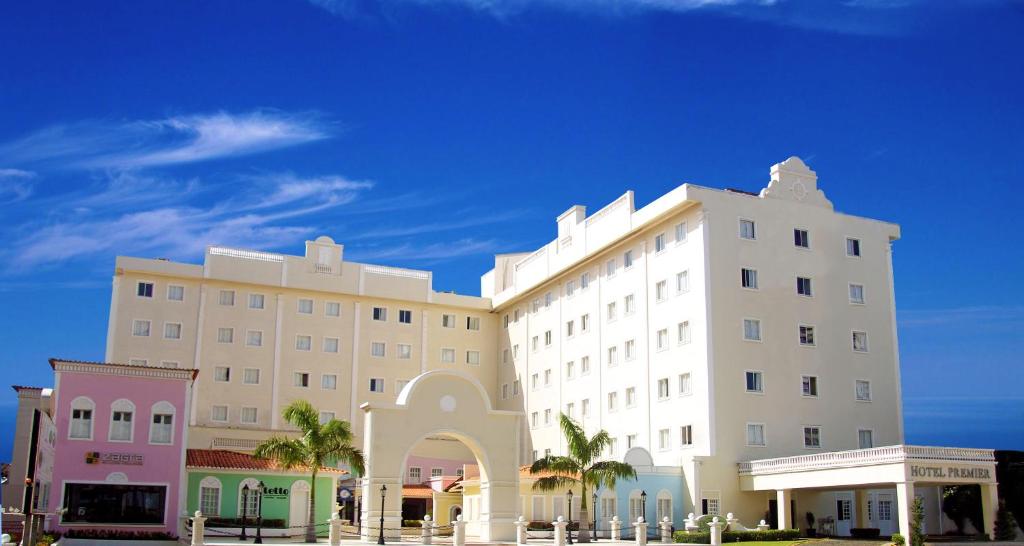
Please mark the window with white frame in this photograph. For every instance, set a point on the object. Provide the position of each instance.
(662, 339)
(570, 369)
(300, 379)
(570, 410)
(504, 391)
(472, 323)
(140, 328)
(172, 330)
(748, 278)
(436, 472)
(547, 417)
(636, 506)
(584, 322)
(748, 230)
(801, 239)
(710, 503)
(856, 293)
(219, 413)
(227, 297)
(584, 281)
(404, 351)
(661, 290)
(535, 419)
(516, 315)
(681, 232)
(534, 381)
(630, 441)
(809, 385)
(251, 376)
(570, 288)
(448, 320)
(257, 301)
(664, 506)
(254, 338)
(506, 356)
(852, 247)
(664, 440)
(629, 304)
(144, 289)
(121, 421)
(400, 384)
(865, 438)
(754, 381)
(613, 356)
(663, 389)
(863, 390)
(806, 335)
(225, 335)
(330, 344)
(547, 377)
(161, 427)
(609, 268)
(248, 416)
(305, 306)
(611, 309)
(534, 343)
(138, 362)
(613, 401)
(570, 328)
(547, 338)
(504, 321)
(683, 332)
(630, 349)
(548, 298)
(585, 408)
(803, 286)
(683, 281)
(326, 417)
(209, 496)
(414, 474)
(377, 349)
(380, 313)
(515, 387)
(613, 446)
(222, 374)
(659, 243)
(535, 306)
(332, 309)
(303, 343)
(685, 384)
(860, 342)
(175, 292)
(82, 411)
(329, 381)
(448, 355)
(755, 434)
(686, 435)
(584, 365)
(752, 329)
(377, 384)
(404, 316)
(630, 397)
(812, 436)
(473, 358)
(627, 259)
(169, 364)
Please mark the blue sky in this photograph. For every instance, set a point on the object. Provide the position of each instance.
(434, 133)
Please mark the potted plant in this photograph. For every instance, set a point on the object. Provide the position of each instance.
(811, 531)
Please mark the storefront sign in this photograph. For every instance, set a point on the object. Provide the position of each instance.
(951, 472)
(275, 493)
(96, 457)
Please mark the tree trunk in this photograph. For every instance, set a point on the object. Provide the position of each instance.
(310, 527)
(584, 534)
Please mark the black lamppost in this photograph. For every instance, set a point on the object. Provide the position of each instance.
(593, 536)
(357, 515)
(383, 493)
(245, 510)
(568, 528)
(643, 504)
(259, 512)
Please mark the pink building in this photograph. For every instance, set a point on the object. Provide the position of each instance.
(120, 451)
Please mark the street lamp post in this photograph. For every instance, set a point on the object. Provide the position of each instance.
(383, 493)
(259, 512)
(594, 505)
(643, 504)
(568, 528)
(245, 506)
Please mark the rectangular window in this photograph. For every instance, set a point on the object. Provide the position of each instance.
(326, 417)
(534, 419)
(584, 281)
(303, 343)
(505, 356)
(547, 300)
(547, 417)
(516, 314)
(585, 408)
(812, 436)
(81, 424)
(683, 332)
(683, 281)
(504, 321)
(175, 292)
(222, 374)
(448, 321)
(305, 306)
(380, 313)
(570, 328)
(752, 329)
(681, 232)
(807, 335)
(248, 416)
(123, 504)
(332, 309)
(377, 349)
(865, 438)
(659, 243)
(609, 268)
(300, 379)
(661, 290)
(169, 364)
(748, 230)
(611, 311)
(219, 414)
(547, 378)
(613, 401)
(801, 239)
(662, 339)
(404, 351)
(138, 362)
(630, 397)
(534, 381)
(755, 434)
(748, 278)
(404, 316)
(436, 472)
(140, 328)
(472, 323)
(630, 440)
(473, 358)
(414, 474)
(809, 385)
(547, 338)
(860, 342)
(251, 376)
(121, 426)
(257, 301)
(663, 439)
(515, 388)
(225, 335)
(613, 446)
(852, 247)
(172, 330)
(663, 390)
(329, 382)
(684, 384)
(227, 297)
(535, 306)
(534, 343)
(330, 344)
(144, 290)
(754, 381)
(803, 286)
(630, 349)
(857, 293)
(627, 259)
(400, 384)
(613, 356)
(254, 338)
(448, 355)
(162, 429)
(570, 410)
(209, 501)
(629, 304)
(570, 369)
(863, 391)
(686, 435)
(504, 391)
(584, 322)
(570, 288)
(584, 365)
(376, 384)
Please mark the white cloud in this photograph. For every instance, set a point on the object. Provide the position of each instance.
(408, 252)
(15, 185)
(169, 141)
(501, 8)
(972, 316)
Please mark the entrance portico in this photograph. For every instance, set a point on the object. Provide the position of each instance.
(901, 467)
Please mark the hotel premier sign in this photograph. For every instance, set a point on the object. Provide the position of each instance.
(96, 457)
(954, 473)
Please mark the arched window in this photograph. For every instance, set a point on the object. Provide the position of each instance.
(82, 412)
(122, 414)
(209, 496)
(636, 505)
(609, 505)
(664, 504)
(161, 423)
(247, 503)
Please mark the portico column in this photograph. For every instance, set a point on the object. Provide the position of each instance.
(904, 506)
(860, 502)
(989, 505)
(782, 498)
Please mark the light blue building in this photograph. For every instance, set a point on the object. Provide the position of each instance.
(666, 495)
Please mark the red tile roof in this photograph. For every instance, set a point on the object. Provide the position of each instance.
(232, 460)
(420, 491)
(20, 388)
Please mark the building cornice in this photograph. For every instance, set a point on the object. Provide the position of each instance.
(126, 370)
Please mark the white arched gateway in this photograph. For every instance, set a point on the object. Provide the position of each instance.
(450, 404)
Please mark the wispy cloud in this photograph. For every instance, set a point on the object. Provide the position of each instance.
(428, 253)
(15, 185)
(462, 220)
(504, 8)
(974, 315)
(169, 141)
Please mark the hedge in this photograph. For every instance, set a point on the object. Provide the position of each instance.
(770, 535)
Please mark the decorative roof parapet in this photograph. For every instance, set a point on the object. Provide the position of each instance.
(110, 368)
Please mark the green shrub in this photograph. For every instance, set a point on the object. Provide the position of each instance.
(898, 539)
(703, 522)
(917, 522)
(683, 537)
(1005, 524)
(771, 535)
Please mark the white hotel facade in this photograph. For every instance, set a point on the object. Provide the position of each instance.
(747, 339)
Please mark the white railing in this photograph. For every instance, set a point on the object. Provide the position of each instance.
(325, 269)
(243, 444)
(395, 272)
(246, 254)
(864, 457)
(532, 257)
(593, 218)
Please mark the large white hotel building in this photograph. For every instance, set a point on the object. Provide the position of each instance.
(711, 328)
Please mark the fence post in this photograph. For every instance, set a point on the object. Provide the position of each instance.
(428, 532)
(458, 531)
(690, 523)
(334, 535)
(560, 526)
(716, 531)
(641, 531)
(666, 530)
(616, 528)
(198, 529)
(521, 530)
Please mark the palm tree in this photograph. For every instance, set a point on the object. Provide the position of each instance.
(580, 467)
(319, 445)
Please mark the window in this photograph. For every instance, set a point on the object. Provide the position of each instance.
(547, 377)
(609, 268)
(504, 391)
(570, 288)
(627, 259)
(257, 301)
(329, 382)
(663, 391)
(686, 435)
(303, 343)
(251, 376)
(547, 300)
(404, 351)
(144, 290)
(754, 381)
(752, 329)
(570, 410)
(326, 417)
(301, 379)
(473, 358)
(683, 281)
(860, 342)
(611, 311)
(534, 381)
(630, 397)
(140, 328)
(330, 344)
(209, 496)
(405, 316)
(516, 315)
(664, 507)
(613, 401)
(636, 508)
(613, 356)
(400, 384)
(681, 232)
(584, 281)
(630, 440)
(534, 419)
(225, 335)
(515, 388)
(175, 292)
(376, 384)
(585, 322)
(332, 309)
(809, 385)
(448, 321)
(801, 239)
(755, 434)
(807, 335)
(254, 338)
(535, 306)
(748, 230)
(377, 349)
(534, 344)
(852, 247)
(472, 323)
(547, 338)
(629, 304)
(222, 374)
(172, 330)
(812, 436)
(169, 364)
(138, 362)
(685, 387)
(585, 408)
(570, 328)
(584, 365)
(683, 332)
(663, 440)
(305, 306)
(248, 416)
(506, 356)
(219, 414)
(448, 356)
(570, 369)
(547, 417)
(748, 278)
(662, 339)
(865, 438)
(414, 474)
(711, 505)
(81, 419)
(161, 430)
(659, 243)
(380, 313)
(661, 290)
(857, 293)
(803, 286)
(863, 389)
(227, 297)
(504, 321)
(630, 349)
(436, 472)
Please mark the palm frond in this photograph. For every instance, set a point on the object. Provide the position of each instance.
(597, 444)
(575, 438)
(607, 472)
(304, 416)
(551, 483)
(354, 458)
(289, 452)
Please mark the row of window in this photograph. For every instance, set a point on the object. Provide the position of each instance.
(414, 474)
(804, 286)
(684, 387)
(756, 436)
(122, 421)
(328, 381)
(754, 383)
(752, 331)
(801, 237)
